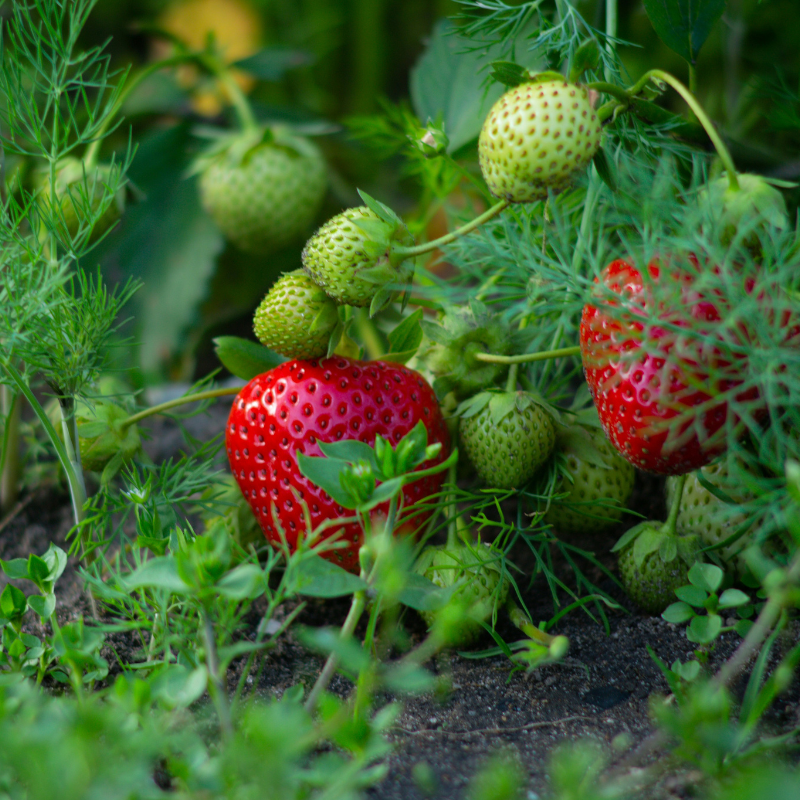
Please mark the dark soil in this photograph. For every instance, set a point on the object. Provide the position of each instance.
(601, 690)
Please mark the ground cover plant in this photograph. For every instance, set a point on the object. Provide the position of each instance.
(543, 380)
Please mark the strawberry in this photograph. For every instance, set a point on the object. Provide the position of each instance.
(536, 137)
(598, 482)
(704, 514)
(651, 584)
(264, 189)
(483, 590)
(85, 192)
(300, 404)
(351, 256)
(296, 318)
(450, 347)
(647, 381)
(507, 436)
(747, 211)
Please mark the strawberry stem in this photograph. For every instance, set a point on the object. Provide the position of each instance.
(544, 355)
(420, 249)
(179, 401)
(670, 525)
(519, 619)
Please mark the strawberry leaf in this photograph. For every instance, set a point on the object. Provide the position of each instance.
(317, 577)
(243, 358)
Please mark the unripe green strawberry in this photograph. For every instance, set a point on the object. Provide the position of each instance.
(754, 206)
(296, 318)
(704, 514)
(263, 192)
(652, 584)
(483, 591)
(507, 436)
(450, 348)
(351, 256)
(654, 562)
(536, 137)
(83, 191)
(599, 485)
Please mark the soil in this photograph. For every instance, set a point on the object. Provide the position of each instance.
(602, 689)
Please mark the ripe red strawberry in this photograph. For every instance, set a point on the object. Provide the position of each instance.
(662, 401)
(300, 404)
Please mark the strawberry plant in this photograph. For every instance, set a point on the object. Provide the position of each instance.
(552, 224)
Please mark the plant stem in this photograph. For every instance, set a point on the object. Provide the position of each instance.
(420, 249)
(702, 118)
(9, 452)
(519, 619)
(672, 520)
(369, 335)
(528, 357)
(353, 616)
(218, 690)
(241, 105)
(180, 401)
(611, 28)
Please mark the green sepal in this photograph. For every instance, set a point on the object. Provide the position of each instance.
(603, 167)
(509, 73)
(243, 358)
(405, 339)
(546, 76)
(326, 316)
(633, 532)
(587, 56)
(380, 274)
(383, 211)
(577, 439)
(377, 231)
(381, 299)
(668, 549)
(501, 405)
(473, 405)
(648, 541)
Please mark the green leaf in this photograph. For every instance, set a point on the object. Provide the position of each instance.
(327, 640)
(703, 630)
(243, 582)
(243, 358)
(742, 627)
(604, 170)
(407, 678)
(706, 576)
(678, 613)
(423, 595)
(406, 337)
(731, 598)
(43, 606)
(272, 63)
(16, 569)
(509, 73)
(324, 472)
(587, 56)
(684, 25)
(13, 602)
(692, 595)
(177, 687)
(447, 84)
(688, 671)
(350, 450)
(381, 209)
(317, 577)
(38, 570)
(157, 573)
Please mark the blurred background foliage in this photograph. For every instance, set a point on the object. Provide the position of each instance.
(335, 68)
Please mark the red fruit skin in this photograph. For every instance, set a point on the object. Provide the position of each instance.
(299, 404)
(637, 394)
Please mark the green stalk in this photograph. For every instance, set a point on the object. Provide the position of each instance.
(217, 689)
(420, 249)
(180, 401)
(77, 489)
(369, 335)
(9, 452)
(544, 355)
(670, 525)
(241, 105)
(611, 27)
(357, 606)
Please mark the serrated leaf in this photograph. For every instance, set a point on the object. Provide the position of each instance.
(245, 359)
(706, 576)
(318, 577)
(407, 336)
(678, 613)
(324, 472)
(272, 63)
(684, 25)
(703, 630)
